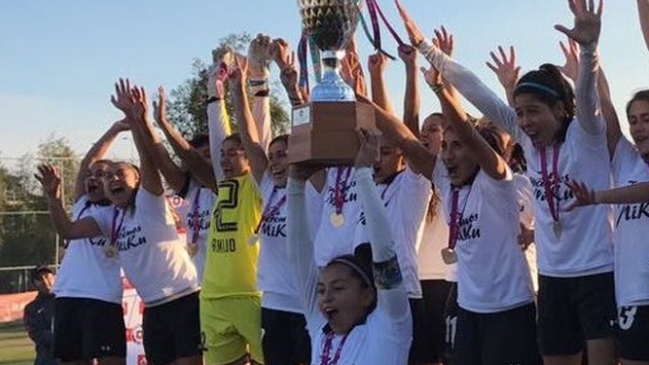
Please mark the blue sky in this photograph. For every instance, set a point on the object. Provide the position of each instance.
(59, 59)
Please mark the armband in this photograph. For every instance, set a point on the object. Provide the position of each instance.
(387, 274)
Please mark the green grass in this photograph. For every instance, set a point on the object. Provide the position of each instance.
(15, 347)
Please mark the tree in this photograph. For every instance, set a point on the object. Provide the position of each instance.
(188, 102)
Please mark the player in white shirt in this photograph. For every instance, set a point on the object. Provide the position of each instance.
(631, 177)
(574, 249)
(496, 320)
(142, 234)
(88, 321)
(285, 340)
(355, 314)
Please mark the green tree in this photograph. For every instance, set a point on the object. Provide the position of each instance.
(188, 102)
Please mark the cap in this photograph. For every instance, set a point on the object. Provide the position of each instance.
(40, 270)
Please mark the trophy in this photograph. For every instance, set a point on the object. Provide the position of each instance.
(324, 130)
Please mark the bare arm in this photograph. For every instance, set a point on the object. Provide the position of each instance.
(376, 65)
(411, 98)
(247, 128)
(633, 194)
(96, 153)
(643, 13)
(198, 165)
(51, 183)
(613, 130)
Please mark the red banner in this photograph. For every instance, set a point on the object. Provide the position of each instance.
(12, 305)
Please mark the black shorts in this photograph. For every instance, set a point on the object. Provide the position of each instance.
(428, 324)
(451, 310)
(507, 337)
(86, 329)
(285, 340)
(574, 310)
(172, 330)
(633, 333)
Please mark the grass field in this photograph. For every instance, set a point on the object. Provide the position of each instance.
(15, 347)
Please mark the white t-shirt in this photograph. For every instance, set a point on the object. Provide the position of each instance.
(493, 275)
(151, 253)
(406, 201)
(330, 241)
(274, 276)
(85, 271)
(631, 227)
(195, 212)
(525, 202)
(429, 259)
(585, 246)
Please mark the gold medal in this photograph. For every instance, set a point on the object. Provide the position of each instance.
(557, 228)
(110, 251)
(449, 256)
(253, 239)
(192, 249)
(337, 220)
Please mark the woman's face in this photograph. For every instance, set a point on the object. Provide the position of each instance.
(278, 162)
(431, 133)
(538, 120)
(342, 298)
(390, 161)
(94, 181)
(234, 162)
(639, 125)
(457, 159)
(120, 183)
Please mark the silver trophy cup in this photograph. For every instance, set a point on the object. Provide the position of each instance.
(331, 24)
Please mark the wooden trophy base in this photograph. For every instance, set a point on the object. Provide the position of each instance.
(324, 133)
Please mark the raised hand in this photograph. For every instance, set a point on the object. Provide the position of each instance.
(376, 63)
(588, 21)
(289, 75)
(140, 103)
(432, 77)
(260, 52)
(415, 35)
(122, 99)
(583, 195)
(282, 54)
(505, 67)
(444, 41)
(368, 153)
(121, 125)
(50, 180)
(571, 53)
(160, 107)
(239, 74)
(223, 54)
(408, 55)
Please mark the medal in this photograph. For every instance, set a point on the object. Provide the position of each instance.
(337, 219)
(449, 256)
(253, 239)
(557, 227)
(192, 249)
(110, 251)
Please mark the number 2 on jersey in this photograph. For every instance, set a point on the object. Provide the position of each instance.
(229, 189)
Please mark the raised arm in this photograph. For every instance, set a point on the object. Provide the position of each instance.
(392, 297)
(96, 153)
(247, 129)
(289, 75)
(643, 13)
(199, 166)
(376, 65)
(507, 71)
(411, 97)
(419, 158)
(260, 53)
(218, 121)
(51, 182)
(300, 244)
(467, 83)
(586, 32)
(490, 162)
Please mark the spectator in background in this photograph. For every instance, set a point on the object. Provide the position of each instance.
(39, 314)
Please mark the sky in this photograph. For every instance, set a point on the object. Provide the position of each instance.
(59, 59)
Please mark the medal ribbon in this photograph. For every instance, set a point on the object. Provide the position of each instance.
(393, 32)
(114, 232)
(548, 185)
(315, 59)
(326, 351)
(271, 211)
(454, 228)
(304, 67)
(196, 222)
(339, 196)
